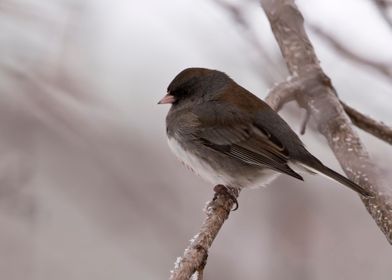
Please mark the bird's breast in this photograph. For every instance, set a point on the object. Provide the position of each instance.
(192, 161)
(218, 168)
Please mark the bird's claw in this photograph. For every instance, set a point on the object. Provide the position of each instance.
(223, 190)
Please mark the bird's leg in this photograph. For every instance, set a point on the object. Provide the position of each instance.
(229, 191)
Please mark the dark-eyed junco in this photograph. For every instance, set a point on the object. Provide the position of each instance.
(228, 136)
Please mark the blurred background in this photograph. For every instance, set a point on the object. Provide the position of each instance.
(88, 186)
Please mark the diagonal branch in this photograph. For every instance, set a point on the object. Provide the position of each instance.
(195, 255)
(376, 128)
(320, 99)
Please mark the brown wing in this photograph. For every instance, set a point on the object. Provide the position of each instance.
(227, 130)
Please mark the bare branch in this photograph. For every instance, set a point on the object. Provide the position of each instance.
(281, 94)
(195, 255)
(287, 91)
(382, 68)
(319, 98)
(376, 128)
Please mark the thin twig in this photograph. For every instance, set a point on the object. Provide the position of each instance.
(195, 255)
(305, 122)
(320, 98)
(376, 128)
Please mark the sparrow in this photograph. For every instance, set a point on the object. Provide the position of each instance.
(230, 137)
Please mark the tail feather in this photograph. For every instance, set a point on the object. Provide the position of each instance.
(340, 178)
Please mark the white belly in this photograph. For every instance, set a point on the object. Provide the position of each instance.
(201, 168)
(205, 171)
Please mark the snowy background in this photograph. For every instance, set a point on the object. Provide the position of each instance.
(88, 186)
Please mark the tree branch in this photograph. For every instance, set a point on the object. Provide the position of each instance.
(283, 92)
(287, 91)
(319, 98)
(195, 255)
(366, 123)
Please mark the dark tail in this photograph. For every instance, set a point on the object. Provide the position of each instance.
(341, 179)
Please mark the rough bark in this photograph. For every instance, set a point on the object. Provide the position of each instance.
(195, 255)
(376, 128)
(320, 99)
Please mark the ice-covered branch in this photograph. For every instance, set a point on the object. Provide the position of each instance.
(319, 98)
(195, 255)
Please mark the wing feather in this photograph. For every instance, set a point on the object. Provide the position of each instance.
(243, 140)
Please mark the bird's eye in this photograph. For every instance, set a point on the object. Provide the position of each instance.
(176, 93)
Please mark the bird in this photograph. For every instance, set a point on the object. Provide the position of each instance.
(230, 137)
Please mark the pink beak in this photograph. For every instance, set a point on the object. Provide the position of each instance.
(167, 99)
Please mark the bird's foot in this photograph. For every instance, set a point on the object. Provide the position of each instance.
(228, 191)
